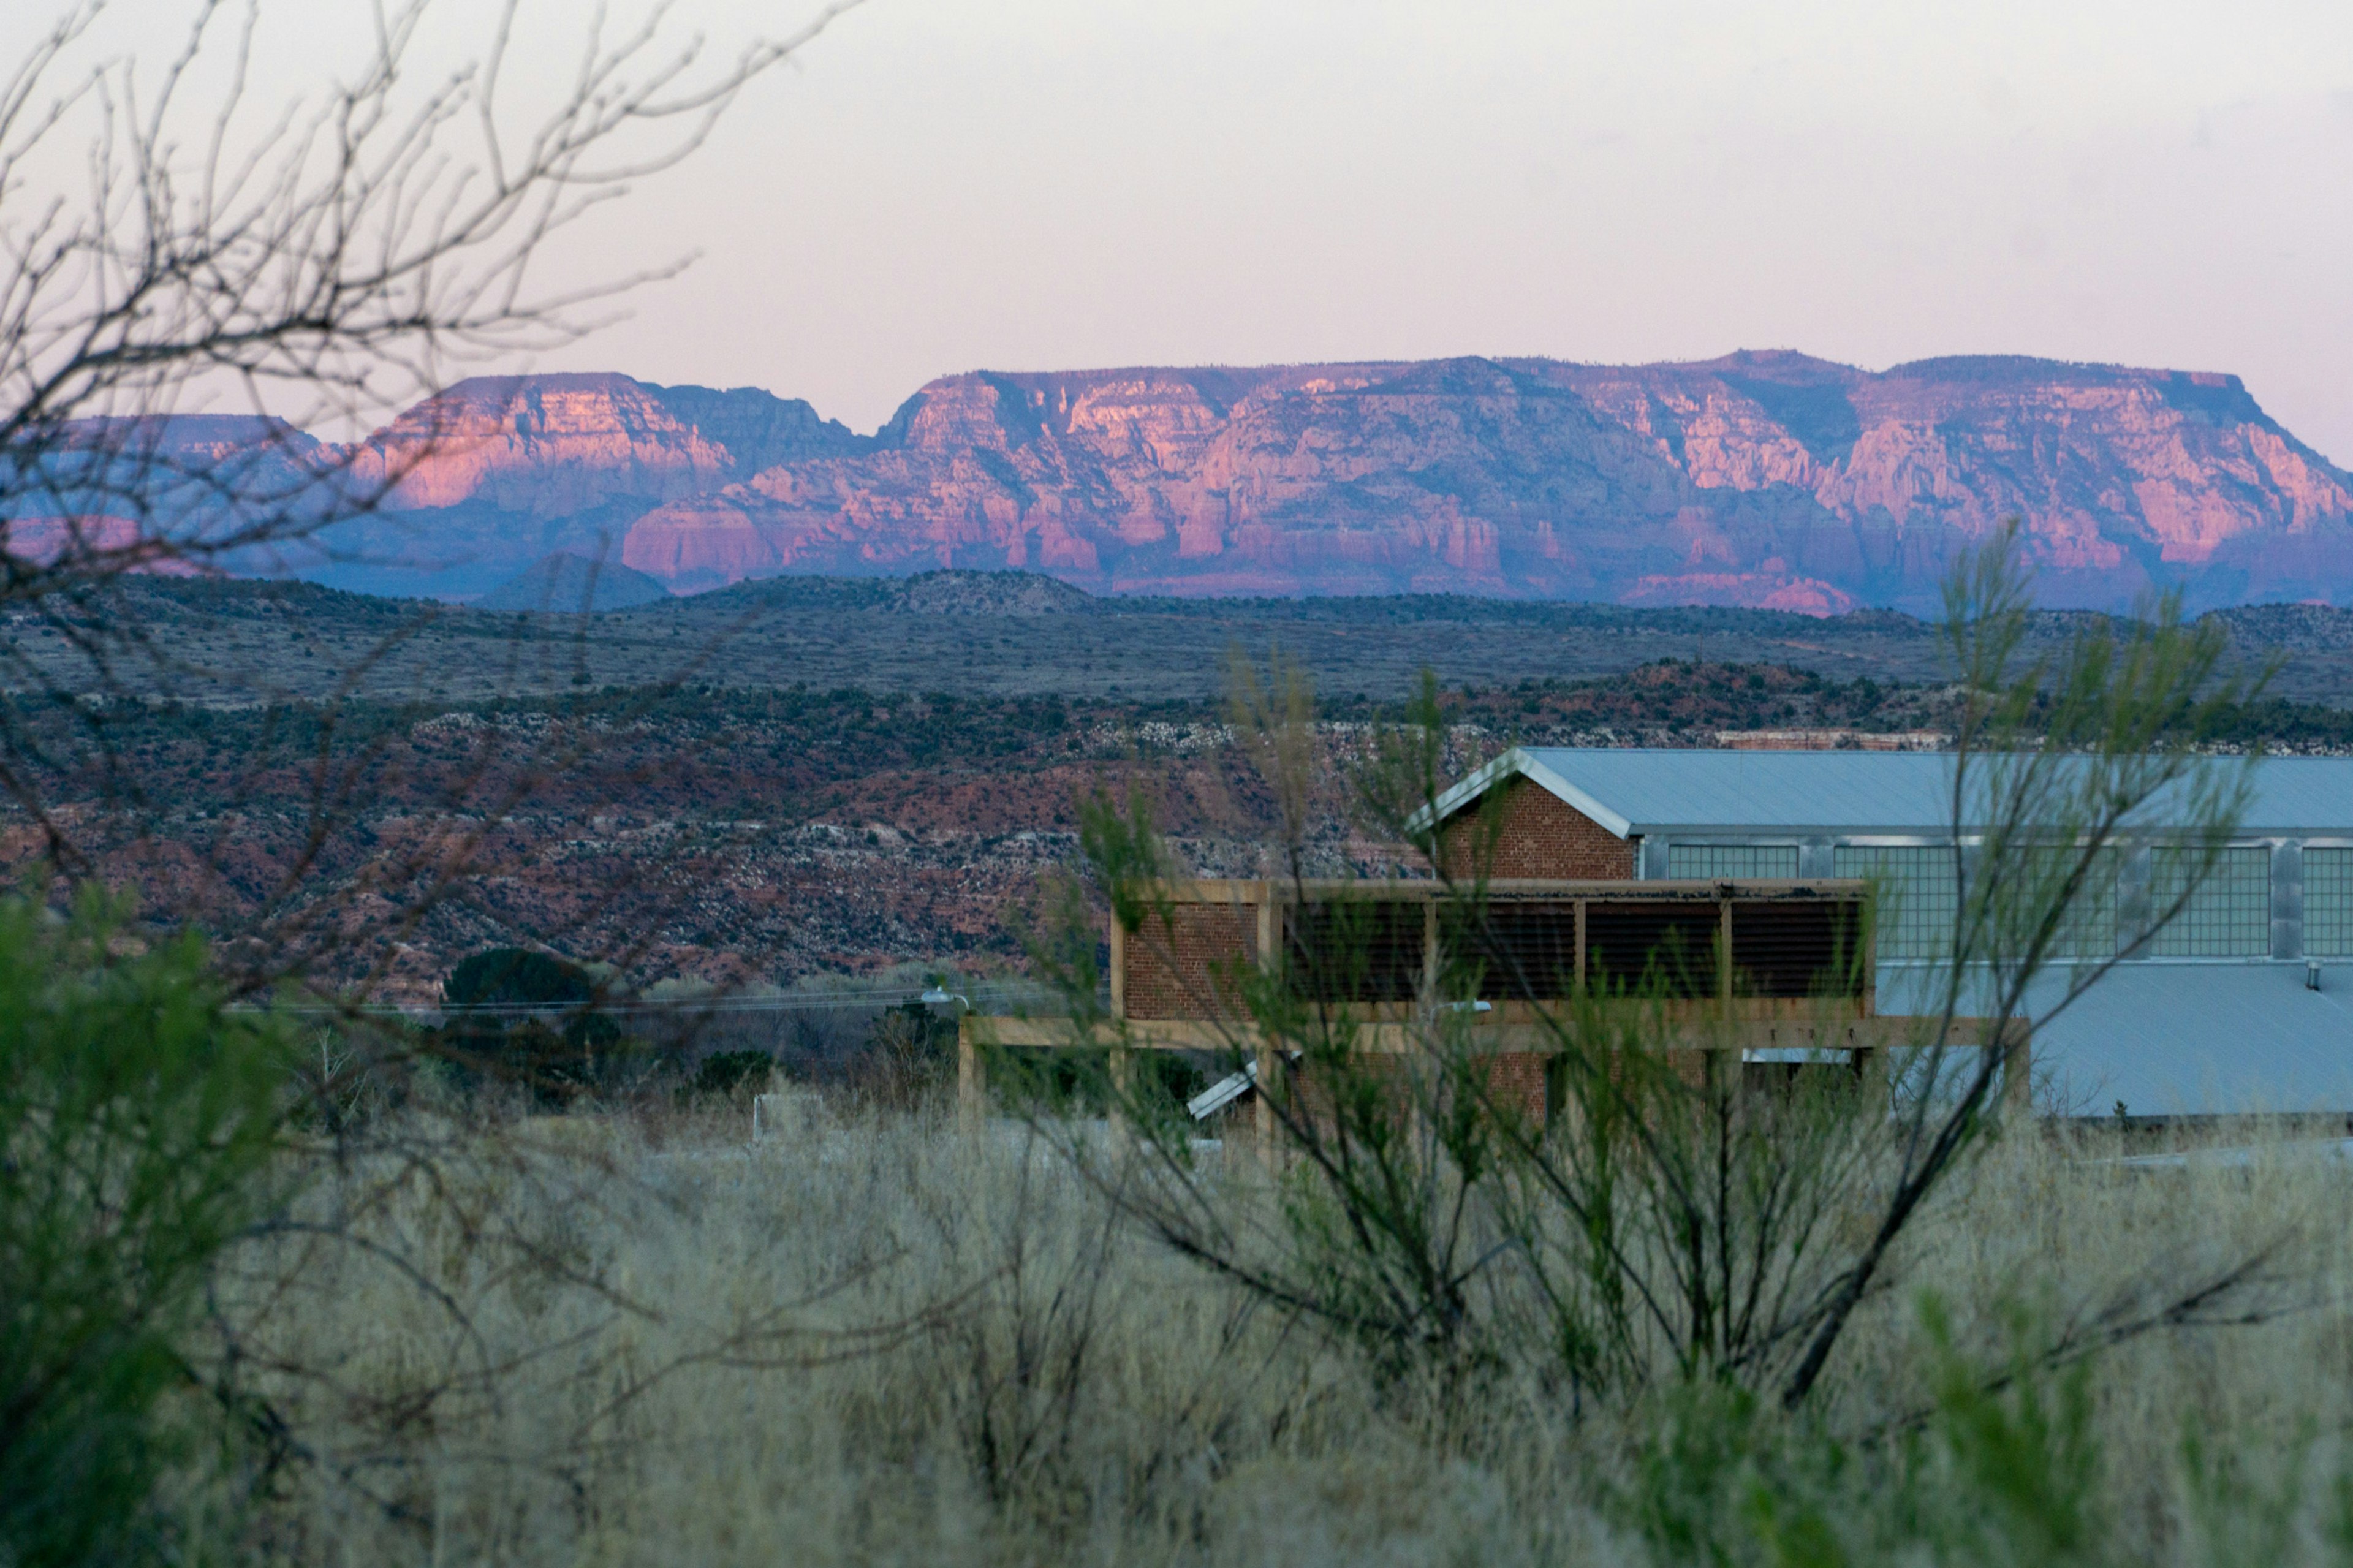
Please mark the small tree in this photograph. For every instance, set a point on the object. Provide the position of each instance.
(1669, 1222)
(528, 1017)
(181, 234)
(139, 1123)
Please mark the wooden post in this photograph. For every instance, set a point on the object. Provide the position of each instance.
(972, 1086)
(1580, 944)
(1118, 945)
(2017, 1067)
(1867, 931)
(1724, 955)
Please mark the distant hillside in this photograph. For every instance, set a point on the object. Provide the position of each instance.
(564, 583)
(1004, 634)
(1767, 480)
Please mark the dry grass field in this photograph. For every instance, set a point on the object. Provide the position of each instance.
(636, 1339)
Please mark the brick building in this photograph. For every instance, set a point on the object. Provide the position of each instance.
(2241, 1002)
(1598, 860)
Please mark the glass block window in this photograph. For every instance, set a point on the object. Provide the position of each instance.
(2230, 914)
(2329, 902)
(1918, 894)
(2089, 927)
(1712, 862)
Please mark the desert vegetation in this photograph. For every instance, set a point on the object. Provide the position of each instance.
(298, 1286)
(569, 1273)
(634, 1336)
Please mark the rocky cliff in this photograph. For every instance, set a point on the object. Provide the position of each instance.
(1761, 479)
(1765, 479)
(554, 445)
(502, 471)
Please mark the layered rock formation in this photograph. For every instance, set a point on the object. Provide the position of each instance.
(556, 445)
(1765, 479)
(1762, 479)
(502, 471)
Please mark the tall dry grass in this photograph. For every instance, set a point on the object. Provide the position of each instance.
(875, 1338)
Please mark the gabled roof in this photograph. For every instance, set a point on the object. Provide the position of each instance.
(1521, 762)
(1646, 792)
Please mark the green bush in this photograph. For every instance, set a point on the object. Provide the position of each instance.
(722, 1073)
(2000, 1466)
(139, 1119)
(573, 1048)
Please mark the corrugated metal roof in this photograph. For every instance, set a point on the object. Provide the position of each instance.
(1656, 792)
(2182, 1039)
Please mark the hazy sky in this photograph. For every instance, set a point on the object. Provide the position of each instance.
(949, 184)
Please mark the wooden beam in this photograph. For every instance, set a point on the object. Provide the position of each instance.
(1487, 1036)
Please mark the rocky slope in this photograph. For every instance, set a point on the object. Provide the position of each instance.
(1761, 479)
(1765, 480)
(502, 471)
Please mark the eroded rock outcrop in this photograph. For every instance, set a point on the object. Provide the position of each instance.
(553, 445)
(1768, 479)
(1761, 479)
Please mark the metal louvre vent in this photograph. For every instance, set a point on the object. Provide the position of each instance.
(1630, 946)
(1348, 951)
(2228, 915)
(2329, 902)
(1712, 862)
(1527, 953)
(1919, 894)
(1797, 948)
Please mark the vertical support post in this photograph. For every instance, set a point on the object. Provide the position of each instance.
(1866, 931)
(1430, 963)
(972, 1086)
(1724, 955)
(1118, 945)
(1580, 944)
(2017, 1067)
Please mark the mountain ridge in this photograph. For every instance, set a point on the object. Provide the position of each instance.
(1761, 479)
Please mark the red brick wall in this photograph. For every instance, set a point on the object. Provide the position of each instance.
(1536, 835)
(1172, 969)
(1516, 1079)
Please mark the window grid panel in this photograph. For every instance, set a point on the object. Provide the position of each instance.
(2228, 915)
(2088, 930)
(1713, 862)
(2329, 902)
(1919, 894)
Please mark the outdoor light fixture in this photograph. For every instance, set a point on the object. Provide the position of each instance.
(940, 995)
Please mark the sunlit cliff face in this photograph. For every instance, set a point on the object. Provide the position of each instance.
(1768, 479)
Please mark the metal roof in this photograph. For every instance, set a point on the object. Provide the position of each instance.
(2182, 1039)
(1630, 791)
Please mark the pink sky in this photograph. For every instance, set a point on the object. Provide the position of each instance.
(950, 185)
(946, 184)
